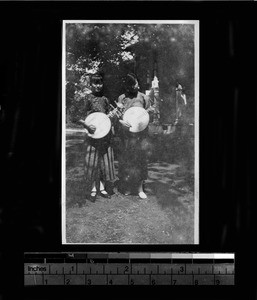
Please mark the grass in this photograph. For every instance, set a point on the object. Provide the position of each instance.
(165, 217)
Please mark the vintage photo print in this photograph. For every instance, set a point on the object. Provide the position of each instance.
(130, 132)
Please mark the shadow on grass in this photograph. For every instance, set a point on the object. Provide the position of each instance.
(165, 217)
(164, 195)
(75, 193)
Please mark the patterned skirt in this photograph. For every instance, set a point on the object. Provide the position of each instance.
(99, 162)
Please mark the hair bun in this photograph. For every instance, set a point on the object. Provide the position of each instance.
(130, 79)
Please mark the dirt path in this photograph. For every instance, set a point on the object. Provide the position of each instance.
(165, 217)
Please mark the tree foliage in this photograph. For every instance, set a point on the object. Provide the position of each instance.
(167, 49)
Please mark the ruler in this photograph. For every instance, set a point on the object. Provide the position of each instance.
(119, 268)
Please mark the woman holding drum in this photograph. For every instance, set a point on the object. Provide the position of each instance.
(134, 142)
(99, 157)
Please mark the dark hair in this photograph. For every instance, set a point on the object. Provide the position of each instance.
(130, 80)
(178, 83)
(97, 77)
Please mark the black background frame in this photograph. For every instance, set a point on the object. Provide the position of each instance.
(30, 93)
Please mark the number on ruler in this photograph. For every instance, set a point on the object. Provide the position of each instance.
(196, 282)
(131, 281)
(181, 269)
(110, 281)
(217, 282)
(174, 281)
(89, 281)
(126, 269)
(153, 282)
(67, 281)
(46, 281)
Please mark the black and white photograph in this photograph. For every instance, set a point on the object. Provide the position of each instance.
(130, 132)
(128, 135)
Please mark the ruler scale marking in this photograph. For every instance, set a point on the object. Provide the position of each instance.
(141, 269)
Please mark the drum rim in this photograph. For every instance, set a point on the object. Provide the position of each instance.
(106, 118)
(136, 108)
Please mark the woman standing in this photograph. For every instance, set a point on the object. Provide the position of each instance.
(181, 103)
(99, 157)
(133, 157)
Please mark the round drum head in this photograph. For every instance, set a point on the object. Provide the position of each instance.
(101, 122)
(138, 117)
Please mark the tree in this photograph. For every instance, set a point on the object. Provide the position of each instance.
(167, 49)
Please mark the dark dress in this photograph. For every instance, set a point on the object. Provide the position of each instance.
(134, 147)
(99, 157)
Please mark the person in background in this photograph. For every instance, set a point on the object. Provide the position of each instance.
(155, 103)
(133, 157)
(99, 157)
(181, 102)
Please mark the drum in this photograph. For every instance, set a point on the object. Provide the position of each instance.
(138, 117)
(101, 122)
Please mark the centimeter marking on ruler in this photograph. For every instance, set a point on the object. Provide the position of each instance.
(153, 272)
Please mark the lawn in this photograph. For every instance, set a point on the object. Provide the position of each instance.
(165, 217)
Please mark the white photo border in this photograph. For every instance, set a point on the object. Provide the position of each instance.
(196, 119)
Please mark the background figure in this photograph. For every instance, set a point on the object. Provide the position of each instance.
(181, 102)
(99, 157)
(133, 157)
(155, 103)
